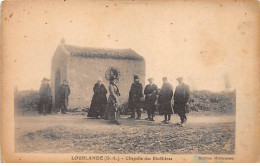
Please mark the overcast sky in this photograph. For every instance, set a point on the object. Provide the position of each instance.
(204, 42)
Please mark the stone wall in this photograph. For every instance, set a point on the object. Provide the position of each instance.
(83, 72)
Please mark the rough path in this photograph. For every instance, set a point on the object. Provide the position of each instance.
(76, 133)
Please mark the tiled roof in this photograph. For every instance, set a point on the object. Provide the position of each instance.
(105, 53)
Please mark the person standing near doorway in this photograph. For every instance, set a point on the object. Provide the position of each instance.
(64, 92)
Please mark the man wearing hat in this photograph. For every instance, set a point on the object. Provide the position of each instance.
(150, 91)
(181, 98)
(135, 98)
(164, 100)
(64, 92)
(45, 97)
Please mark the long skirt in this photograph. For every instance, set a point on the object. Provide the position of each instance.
(150, 108)
(180, 108)
(111, 113)
(165, 108)
(44, 105)
(97, 110)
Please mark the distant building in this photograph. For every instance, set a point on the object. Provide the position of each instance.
(81, 66)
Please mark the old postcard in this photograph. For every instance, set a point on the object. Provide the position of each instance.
(130, 81)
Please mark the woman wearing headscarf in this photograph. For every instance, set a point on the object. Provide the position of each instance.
(99, 100)
(112, 103)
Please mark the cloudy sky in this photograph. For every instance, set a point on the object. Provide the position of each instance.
(204, 42)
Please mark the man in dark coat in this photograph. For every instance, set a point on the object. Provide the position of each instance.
(64, 92)
(45, 97)
(150, 91)
(99, 100)
(181, 98)
(135, 98)
(164, 100)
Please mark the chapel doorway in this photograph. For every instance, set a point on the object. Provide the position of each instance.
(56, 88)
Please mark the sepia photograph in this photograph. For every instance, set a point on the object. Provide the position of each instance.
(130, 81)
(99, 101)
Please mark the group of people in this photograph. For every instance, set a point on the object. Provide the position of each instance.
(151, 100)
(45, 97)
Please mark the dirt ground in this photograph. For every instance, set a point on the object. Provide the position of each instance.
(74, 132)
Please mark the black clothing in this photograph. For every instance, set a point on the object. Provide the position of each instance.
(150, 92)
(64, 92)
(135, 99)
(44, 99)
(165, 98)
(99, 101)
(181, 98)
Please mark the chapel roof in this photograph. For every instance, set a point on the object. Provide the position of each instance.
(104, 53)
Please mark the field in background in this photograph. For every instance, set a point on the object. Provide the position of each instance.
(201, 101)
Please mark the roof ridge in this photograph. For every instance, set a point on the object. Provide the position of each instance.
(105, 48)
(97, 52)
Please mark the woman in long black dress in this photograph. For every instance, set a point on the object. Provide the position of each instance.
(99, 100)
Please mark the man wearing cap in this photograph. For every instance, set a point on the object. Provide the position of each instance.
(45, 97)
(181, 98)
(64, 92)
(150, 91)
(135, 98)
(164, 101)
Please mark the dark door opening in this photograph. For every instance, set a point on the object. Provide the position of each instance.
(56, 88)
